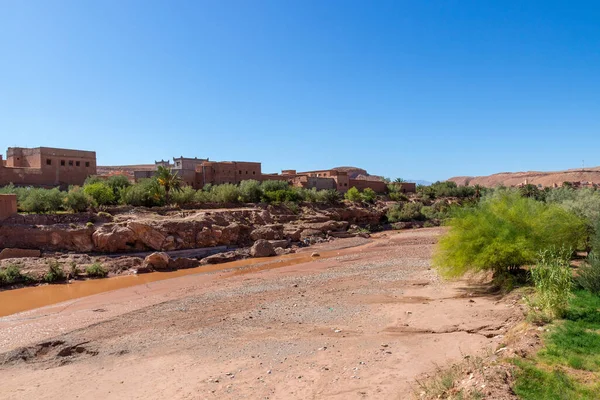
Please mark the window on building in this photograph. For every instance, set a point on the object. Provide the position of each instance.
(345, 184)
(70, 163)
(246, 172)
(253, 172)
(77, 163)
(62, 163)
(48, 161)
(87, 163)
(240, 172)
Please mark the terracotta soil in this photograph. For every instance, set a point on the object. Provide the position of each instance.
(357, 322)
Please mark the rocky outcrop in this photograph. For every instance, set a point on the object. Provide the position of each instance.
(262, 248)
(145, 231)
(113, 238)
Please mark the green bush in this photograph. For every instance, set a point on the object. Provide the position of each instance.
(226, 193)
(117, 183)
(203, 196)
(55, 272)
(369, 195)
(147, 193)
(505, 230)
(589, 274)
(438, 210)
(77, 201)
(101, 193)
(397, 196)
(446, 189)
(96, 270)
(184, 196)
(353, 194)
(553, 281)
(405, 212)
(281, 195)
(12, 274)
(329, 196)
(251, 191)
(43, 200)
(273, 186)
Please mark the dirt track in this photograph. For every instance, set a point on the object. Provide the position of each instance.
(363, 323)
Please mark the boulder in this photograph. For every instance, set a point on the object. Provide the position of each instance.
(147, 235)
(112, 238)
(268, 232)
(222, 258)
(293, 233)
(307, 233)
(19, 253)
(157, 261)
(262, 248)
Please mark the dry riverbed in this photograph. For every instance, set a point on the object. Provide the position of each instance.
(356, 322)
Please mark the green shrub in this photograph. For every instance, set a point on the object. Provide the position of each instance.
(505, 230)
(589, 274)
(12, 274)
(100, 192)
(184, 196)
(96, 270)
(226, 193)
(329, 196)
(279, 196)
(273, 186)
(74, 272)
(397, 196)
(446, 189)
(77, 201)
(40, 200)
(147, 193)
(55, 272)
(353, 194)
(250, 191)
(203, 196)
(553, 281)
(369, 195)
(405, 212)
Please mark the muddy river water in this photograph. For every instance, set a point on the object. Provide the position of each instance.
(29, 298)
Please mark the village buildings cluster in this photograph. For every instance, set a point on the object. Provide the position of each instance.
(51, 167)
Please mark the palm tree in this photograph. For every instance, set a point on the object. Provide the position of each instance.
(168, 180)
(399, 180)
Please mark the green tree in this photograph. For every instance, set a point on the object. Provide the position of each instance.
(353, 195)
(505, 230)
(100, 192)
(168, 180)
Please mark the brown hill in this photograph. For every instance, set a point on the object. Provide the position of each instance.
(359, 173)
(591, 175)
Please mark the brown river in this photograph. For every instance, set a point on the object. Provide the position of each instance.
(29, 298)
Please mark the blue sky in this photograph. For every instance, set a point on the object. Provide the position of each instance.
(418, 89)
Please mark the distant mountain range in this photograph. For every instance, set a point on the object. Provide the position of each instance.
(534, 177)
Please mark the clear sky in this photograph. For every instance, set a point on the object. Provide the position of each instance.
(417, 89)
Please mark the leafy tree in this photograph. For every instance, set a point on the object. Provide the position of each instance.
(250, 191)
(100, 192)
(353, 194)
(147, 192)
(505, 230)
(77, 201)
(369, 195)
(168, 180)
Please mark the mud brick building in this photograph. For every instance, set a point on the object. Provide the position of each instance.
(46, 166)
(198, 172)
